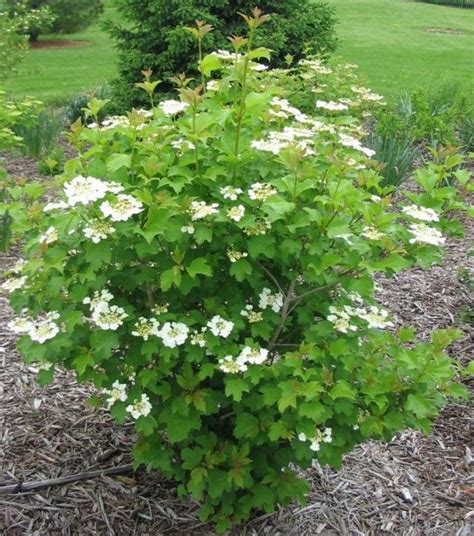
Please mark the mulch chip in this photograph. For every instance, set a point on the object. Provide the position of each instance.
(411, 486)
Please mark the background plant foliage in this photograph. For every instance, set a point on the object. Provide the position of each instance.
(151, 35)
(209, 265)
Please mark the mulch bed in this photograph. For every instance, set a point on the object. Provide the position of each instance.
(411, 486)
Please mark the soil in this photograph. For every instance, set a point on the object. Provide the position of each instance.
(58, 43)
(411, 486)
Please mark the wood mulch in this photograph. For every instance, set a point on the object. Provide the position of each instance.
(411, 486)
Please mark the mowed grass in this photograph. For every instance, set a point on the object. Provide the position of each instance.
(398, 45)
(402, 44)
(55, 74)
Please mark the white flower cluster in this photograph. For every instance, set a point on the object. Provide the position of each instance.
(97, 230)
(235, 255)
(420, 213)
(248, 356)
(39, 330)
(341, 317)
(316, 66)
(372, 233)
(321, 436)
(56, 205)
(268, 299)
(279, 140)
(220, 327)
(354, 143)
(198, 338)
(122, 208)
(331, 106)
(173, 334)
(49, 237)
(188, 229)
(104, 315)
(367, 95)
(182, 145)
(424, 234)
(251, 315)
(172, 107)
(261, 191)
(14, 283)
(139, 408)
(225, 55)
(230, 192)
(260, 227)
(146, 328)
(86, 190)
(200, 210)
(285, 110)
(117, 393)
(236, 213)
(213, 85)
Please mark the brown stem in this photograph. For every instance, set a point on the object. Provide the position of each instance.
(284, 314)
(271, 276)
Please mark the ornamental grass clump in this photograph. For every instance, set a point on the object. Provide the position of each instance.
(208, 264)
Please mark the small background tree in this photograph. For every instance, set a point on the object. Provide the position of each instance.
(66, 17)
(153, 35)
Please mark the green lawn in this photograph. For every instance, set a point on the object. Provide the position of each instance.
(391, 42)
(54, 74)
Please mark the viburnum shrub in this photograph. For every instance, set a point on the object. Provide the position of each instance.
(209, 266)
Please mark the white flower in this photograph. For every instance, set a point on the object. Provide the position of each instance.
(49, 237)
(140, 408)
(146, 327)
(197, 338)
(227, 56)
(421, 213)
(189, 229)
(372, 233)
(315, 445)
(258, 67)
(340, 318)
(43, 331)
(302, 436)
(424, 234)
(100, 300)
(236, 213)
(87, 190)
(199, 210)
(251, 315)
(174, 334)
(21, 325)
(98, 230)
(229, 366)
(254, 356)
(220, 327)
(108, 317)
(173, 107)
(261, 191)
(375, 317)
(59, 205)
(331, 106)
(212, 85)
(235, 255)
(160, 309)
(15, 283)
(230, 192)
(272, 146)
(123, 208)
(349, 141)
(267, 299)
(118, 392)
(182, 145)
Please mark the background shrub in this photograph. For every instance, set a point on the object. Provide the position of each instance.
(67, 17)
(455, 3)
(152, 35)
(39, 135)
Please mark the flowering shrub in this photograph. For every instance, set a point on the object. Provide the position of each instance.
(31, 18)
(209, 265)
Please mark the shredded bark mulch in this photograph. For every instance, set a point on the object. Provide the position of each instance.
(411, 486)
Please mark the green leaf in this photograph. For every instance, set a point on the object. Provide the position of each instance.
(209, 63)
(420, 406)
(342, 390)
(170, 277)
(240, 269)
(235, 387)
(117, 161)
(246, 425)
(83, 361)
(317, 412)
(278, 429)
(199, 266)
